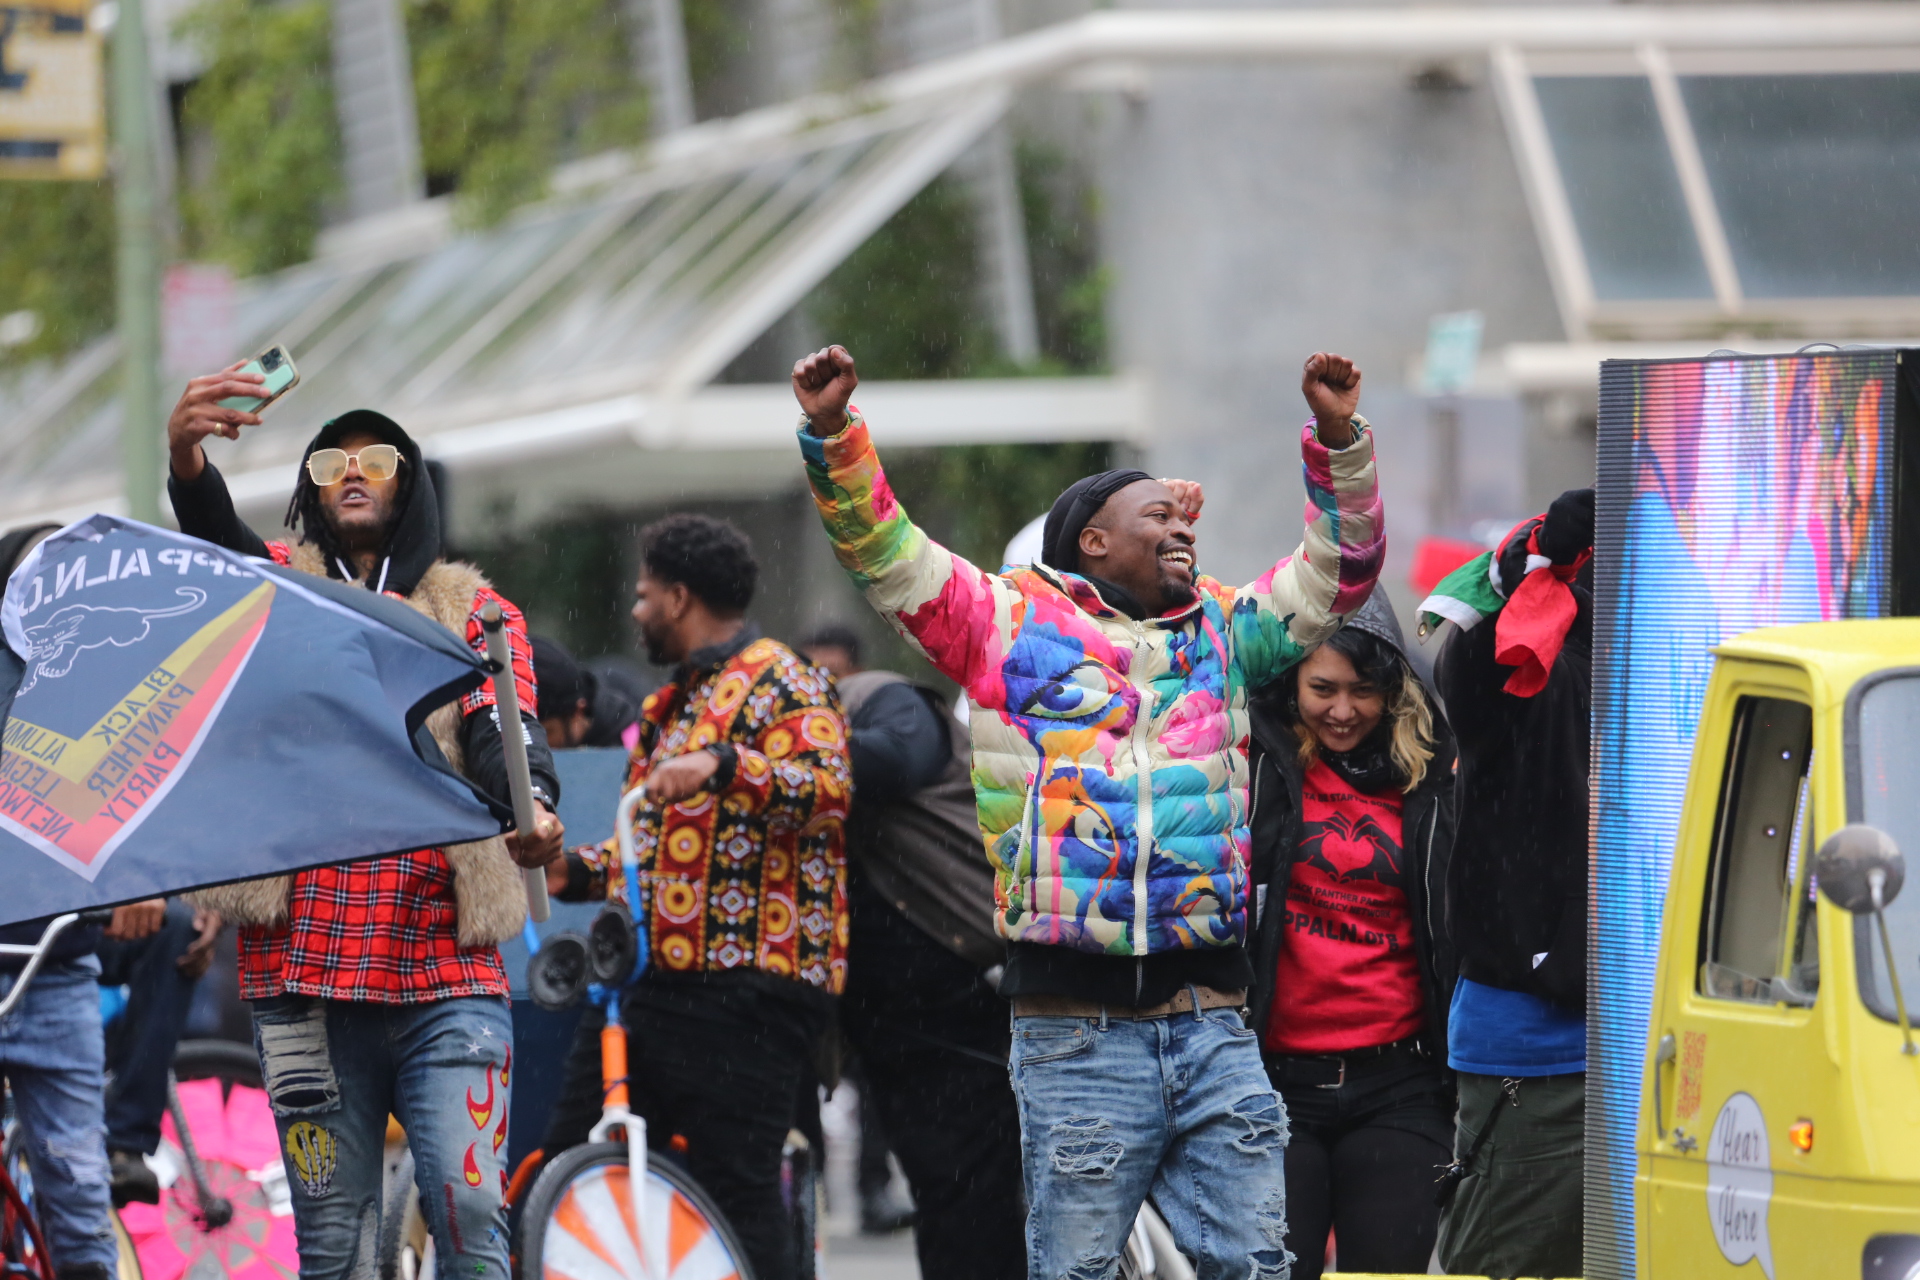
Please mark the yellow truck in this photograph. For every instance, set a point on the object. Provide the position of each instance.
(1780, 1116)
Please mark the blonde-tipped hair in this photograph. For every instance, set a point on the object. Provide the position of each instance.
(1412, 744)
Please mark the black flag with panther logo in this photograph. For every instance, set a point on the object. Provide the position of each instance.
(178, 715)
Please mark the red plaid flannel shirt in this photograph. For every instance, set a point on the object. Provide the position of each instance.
(384, 930)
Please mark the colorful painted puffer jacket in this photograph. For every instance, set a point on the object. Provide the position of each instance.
(1109, 756)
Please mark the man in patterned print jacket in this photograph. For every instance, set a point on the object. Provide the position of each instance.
(377, 986)
(743, 890)
(1108, 694)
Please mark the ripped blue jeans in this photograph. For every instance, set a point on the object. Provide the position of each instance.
(1179, 1106)
(52, 1054)
(335, 1069)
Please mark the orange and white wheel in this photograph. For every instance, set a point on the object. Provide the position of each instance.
(578, 1223)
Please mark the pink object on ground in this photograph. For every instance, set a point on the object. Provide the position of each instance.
(234, 1137)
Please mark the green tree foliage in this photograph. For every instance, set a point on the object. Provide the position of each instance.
(718, 45)
(265, 106)
(906, 302)
(973, 498)
(56, 260)
(571, 578)
(506, 89)
(1069, 280)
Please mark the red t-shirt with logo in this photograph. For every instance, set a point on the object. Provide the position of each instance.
(1348, 976)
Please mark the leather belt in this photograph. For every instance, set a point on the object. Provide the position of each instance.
(1330, 1070)
(1068, 1007)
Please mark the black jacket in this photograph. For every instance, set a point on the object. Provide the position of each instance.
(1518, 884)
(914, 833)
(1427, 836)
(204, 509)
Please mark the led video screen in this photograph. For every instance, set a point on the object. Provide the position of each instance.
(1734, 493)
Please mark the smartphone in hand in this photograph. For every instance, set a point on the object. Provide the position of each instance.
(281, 377)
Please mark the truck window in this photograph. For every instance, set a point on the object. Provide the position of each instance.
(1888, 770)
(1758, 892)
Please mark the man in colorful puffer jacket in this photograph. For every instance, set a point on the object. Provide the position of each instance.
(1108, 712)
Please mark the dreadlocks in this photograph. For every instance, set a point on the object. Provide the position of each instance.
(305, 512)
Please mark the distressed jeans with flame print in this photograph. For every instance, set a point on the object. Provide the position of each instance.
(335, 1070)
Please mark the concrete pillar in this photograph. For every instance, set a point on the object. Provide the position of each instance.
(1006, 275)
(663, 63)
(373, 93)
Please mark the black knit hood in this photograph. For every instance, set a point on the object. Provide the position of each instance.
(413, 539)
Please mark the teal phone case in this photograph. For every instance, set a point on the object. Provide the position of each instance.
(277, 381)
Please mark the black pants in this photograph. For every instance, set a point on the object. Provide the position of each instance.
(718, 1062)
(933, 1037)
(1363, 1161)
(140, 1046)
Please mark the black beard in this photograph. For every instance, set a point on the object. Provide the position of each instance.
(363, 538)
(1175, 594)
(656, 653)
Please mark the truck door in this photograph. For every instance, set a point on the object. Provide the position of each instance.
(1737, 1056)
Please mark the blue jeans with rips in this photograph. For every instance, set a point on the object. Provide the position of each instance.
(52, 1054)
(1181, 1107)
(335, 1069)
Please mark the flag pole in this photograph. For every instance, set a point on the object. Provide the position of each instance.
(136, 204)
(506, 696)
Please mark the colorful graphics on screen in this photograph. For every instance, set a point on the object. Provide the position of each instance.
(1734, 494)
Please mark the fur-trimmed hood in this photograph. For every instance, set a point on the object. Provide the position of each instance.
(489, 893)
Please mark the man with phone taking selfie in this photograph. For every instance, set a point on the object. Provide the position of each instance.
(377, 986)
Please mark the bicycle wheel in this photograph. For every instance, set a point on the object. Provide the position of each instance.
(127, 1265)
(578, 1221)
(18, 1246)
(245, 1232)
(227, 1061)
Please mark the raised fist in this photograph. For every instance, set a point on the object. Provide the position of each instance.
(1331, 385)
(823, 383)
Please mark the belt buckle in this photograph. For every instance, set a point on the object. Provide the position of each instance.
(1342, 1080)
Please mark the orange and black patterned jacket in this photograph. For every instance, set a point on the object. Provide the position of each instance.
(752, 876)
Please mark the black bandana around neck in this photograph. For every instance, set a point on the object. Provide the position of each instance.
(1369, 767)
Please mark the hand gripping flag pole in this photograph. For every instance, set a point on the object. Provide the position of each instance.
(506, 694)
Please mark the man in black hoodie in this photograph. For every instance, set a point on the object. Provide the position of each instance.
(1517, 905)
(377, 985)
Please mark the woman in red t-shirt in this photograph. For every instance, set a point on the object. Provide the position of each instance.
(1352, 824)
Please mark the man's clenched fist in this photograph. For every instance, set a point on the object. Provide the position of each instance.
(545, 846)
(1332, 386)
(823, 383)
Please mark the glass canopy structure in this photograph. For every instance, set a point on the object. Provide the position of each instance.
(1702, 191)
(1692, 171)
(583, 320)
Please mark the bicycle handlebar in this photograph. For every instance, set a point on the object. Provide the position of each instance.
(37, 953)
(630, 869)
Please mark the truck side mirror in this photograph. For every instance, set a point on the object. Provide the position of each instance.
(1860, 869)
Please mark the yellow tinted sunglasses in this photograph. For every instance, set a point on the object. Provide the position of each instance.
(377, 462)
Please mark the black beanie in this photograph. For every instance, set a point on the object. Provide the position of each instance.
(1060, 539)
(559, 678)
